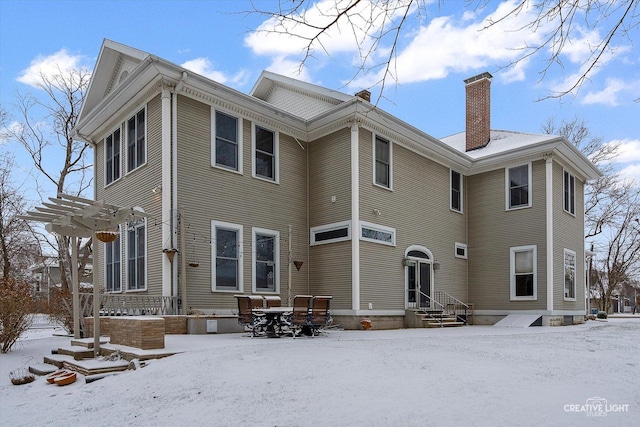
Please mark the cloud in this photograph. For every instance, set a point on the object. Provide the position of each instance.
(631, 171)
(290, 68)
(11, 129)
(628, 150)
(610, 94)
(61, 62)
(204, 67)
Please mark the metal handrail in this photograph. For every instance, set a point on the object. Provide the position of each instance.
(459, 307)
(129, 305)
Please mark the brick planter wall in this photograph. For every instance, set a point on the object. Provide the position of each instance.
(141, 332)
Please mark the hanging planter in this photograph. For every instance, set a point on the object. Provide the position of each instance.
(298, 264)
(107, 236)
(194, 264)
(170, 253)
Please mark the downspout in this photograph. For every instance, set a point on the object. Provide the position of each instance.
(174, 174)
(165, 195)
(355, 218)
(549, 219)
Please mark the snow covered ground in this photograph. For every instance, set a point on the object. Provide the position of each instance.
(475, 375)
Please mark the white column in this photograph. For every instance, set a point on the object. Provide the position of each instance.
(549, 218)
(166, 190)
(355, 218)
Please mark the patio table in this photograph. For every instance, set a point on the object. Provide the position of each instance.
(275, 319)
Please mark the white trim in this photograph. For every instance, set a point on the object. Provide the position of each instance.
(146, 140)
(355, 214)
(390, 187)
(571, 178)
(106, 184)
(119, 239)
(549, 229)
(276, 254)
(461, 211)
(346, 312)
(239, 232)
(165, 196)
(329, 227)
(276, 153)
(507, 189)
(239, 142)
(418, 248)
(512, 281)
(462, 246)
(538, 312)
(376, 227)
(575, 271)
(142, 223)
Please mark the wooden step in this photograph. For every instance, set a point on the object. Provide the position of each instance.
(42, 369)
(87, 342)
(443, 324)
(57, 360)
(77, 352)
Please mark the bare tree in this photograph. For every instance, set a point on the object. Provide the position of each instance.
(18, 247)
(44, 131)
(380, 24)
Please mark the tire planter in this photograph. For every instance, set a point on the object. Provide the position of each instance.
(51, 377)
(65, 379)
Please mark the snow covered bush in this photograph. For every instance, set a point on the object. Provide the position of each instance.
(602, 315)
(16, 304)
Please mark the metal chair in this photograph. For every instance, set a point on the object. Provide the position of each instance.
(300, 314)
(319, 316)
(249, 319)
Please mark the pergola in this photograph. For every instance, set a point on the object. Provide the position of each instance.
(77, 217)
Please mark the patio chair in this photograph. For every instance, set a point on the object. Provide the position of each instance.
(319, 317)
(273, 301)
(254, 322)
(300, 315)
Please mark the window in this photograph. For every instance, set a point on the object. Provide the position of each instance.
(112, 273)
(266, 260)
(331, 233)
(456, 191)
(569, 193)
(523, 266)
(112, 157)
(569, 275)
(227, 256)
(519, 187)
(136, 140)
(382, 162)
(265, 153)
(377, 233)
(136, 255)
(227, 152)
(460, 250)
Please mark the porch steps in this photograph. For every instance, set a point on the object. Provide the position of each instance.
(437, 319)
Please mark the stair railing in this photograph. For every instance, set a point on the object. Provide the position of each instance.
(453, 306)
(432, 305)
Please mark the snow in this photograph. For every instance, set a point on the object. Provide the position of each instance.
(474, 375)
(501, 141)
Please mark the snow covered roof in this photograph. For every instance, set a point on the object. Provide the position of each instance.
(501, 141)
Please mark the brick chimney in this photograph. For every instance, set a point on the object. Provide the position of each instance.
(364, 94)
(478, 90)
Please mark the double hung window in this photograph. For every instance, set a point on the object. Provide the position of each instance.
(569, 199)
(265, 153)
(227, 256)
(113, 272)
(266, 260)
(382, 162)
(519, 186)
(569, 275)
(456, 191)
(136, 140)
(227, 152)
(523, 267)
(137, 255)
(112, 157)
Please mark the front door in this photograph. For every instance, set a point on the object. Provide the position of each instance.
(419, 275)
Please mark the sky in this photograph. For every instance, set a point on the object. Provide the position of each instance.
(439, 47)
(472, 375)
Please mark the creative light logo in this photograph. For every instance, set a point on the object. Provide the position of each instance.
(596, 407)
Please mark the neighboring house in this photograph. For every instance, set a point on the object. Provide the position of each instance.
(47, 275)
(381, 214)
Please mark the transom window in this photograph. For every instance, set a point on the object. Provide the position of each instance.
(569, 275)
(523, 267)
(382, 162)
(330, 233)
(265, 153)
(137, 255)
(227, 256)
(456, 191)
(519, 186)
(136, 140)
(112, 157)
(460, 250)
(227, 152)
(377, 233)
(113, 271)
(569, 184)
(266, 260)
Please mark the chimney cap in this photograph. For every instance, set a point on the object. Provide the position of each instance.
(484, 75)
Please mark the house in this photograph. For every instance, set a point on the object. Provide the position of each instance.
(381, 215)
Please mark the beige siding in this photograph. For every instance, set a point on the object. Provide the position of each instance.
(418, 208)
(493, 231)
(134, 189)
(209, 193)
(330, 175)
(568, 233)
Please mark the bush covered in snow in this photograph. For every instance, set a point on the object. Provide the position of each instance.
(16, 305)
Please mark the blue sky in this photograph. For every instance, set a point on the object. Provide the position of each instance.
(438, 51)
